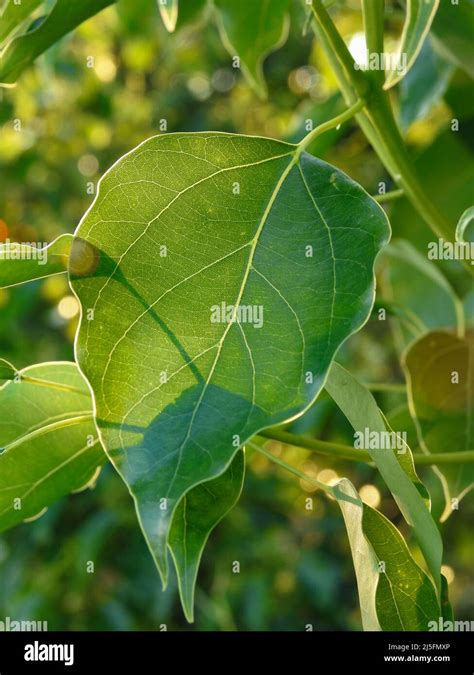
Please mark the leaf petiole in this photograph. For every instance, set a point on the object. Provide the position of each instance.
(389, 196)
(292, 469)
(330, 124)
(347, 452)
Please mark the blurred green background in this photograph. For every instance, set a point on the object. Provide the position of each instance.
(61, 127)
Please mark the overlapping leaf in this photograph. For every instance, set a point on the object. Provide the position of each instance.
(397, 470)
(21, 262)
(394, 592)
(440, 373)
(181, 225)
(49, 445)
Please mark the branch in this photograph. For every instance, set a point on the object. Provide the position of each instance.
(341, 451)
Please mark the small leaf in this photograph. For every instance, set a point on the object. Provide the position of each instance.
(406, 599)
(194, 298)
(20, 263)
(452, 28)
(360, 408)
(451, 197)
(413, 281)
(394, 592)
(440, 373)
(446, 609)
(251, 30)
(464, 222)
(197, 514)
(420, 14)
(365, 561)
(24, 49)
(424, 85)
(7, 371)
(48, 439)
(169, 13)
(14, 14)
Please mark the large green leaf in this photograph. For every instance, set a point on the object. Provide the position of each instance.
(180, 225)
(251, 30)
(24, 49)
(14, 14)
(442, 404)
(453, 28)
(198, 513)
(424, 85)
(394, 592)
(360, 408)
(21, 262)
(48, 439)
(420, 14)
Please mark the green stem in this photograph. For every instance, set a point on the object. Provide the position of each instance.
(373, 14)
(293, 470)
(389, 196)
(461, 457)
(330, 124)
(391, 388)
(376, 120)
(322, 447)
(347, 452)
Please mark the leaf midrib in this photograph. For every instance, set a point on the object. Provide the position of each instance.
(266, 213)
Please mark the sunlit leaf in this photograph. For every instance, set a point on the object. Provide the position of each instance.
(440, 373)
(420, 14)
(182, 224)
(49, 445)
